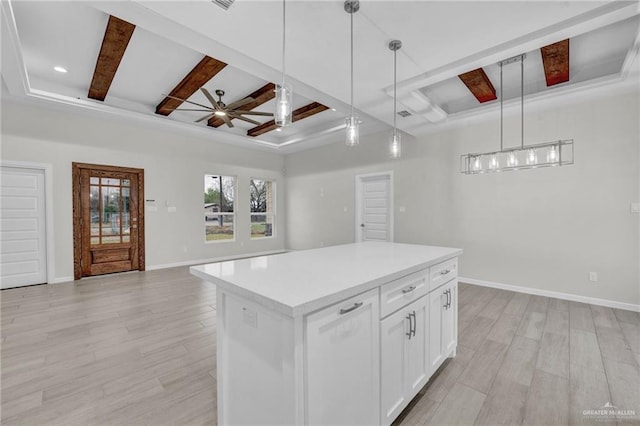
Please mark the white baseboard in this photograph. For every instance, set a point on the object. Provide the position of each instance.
(554, 294)
(60, 280)
(214, 259)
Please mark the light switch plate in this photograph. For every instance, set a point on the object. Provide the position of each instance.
(635, 207)
(171, 209)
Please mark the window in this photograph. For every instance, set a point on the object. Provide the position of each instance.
(219, 209)
(262, 208)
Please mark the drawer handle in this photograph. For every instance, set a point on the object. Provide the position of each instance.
(445, 272)
(409, 289)
(353, 308)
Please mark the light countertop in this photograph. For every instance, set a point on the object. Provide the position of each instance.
(300, 282)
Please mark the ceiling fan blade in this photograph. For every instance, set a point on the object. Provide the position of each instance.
(215, 104)
(187, 109)
(248, 120)
(240, 103)
(227, 120)
(189, 102)
(265, 114)
(205, 117)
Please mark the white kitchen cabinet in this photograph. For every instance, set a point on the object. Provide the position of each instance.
(342, 351)
(404, 357)
(443, 323)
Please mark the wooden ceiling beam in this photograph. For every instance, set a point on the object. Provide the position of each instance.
(479, 84)
(260, 96)
(114, 43)
(555, 59)
(204, 71)
(298, 114)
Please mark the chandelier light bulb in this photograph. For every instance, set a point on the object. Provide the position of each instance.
(532, 157)
(512, 159)
(494, 162)
(552, 154)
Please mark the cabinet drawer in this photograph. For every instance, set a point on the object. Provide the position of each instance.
(442, 273)
(398, 293)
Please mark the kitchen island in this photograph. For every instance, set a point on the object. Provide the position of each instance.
(339, 335)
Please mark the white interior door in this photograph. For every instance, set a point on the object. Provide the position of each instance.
(374, 203)
(23, 256)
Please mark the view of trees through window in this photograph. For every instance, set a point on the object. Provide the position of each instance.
(219, 211)
(262, 208)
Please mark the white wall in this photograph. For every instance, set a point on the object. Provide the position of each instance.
(174, 166)
(544, 229)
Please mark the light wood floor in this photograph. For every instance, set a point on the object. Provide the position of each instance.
(139, 348)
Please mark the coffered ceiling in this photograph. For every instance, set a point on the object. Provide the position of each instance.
(124, 58)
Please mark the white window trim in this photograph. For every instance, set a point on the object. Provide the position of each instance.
(234, 213)
(274, 229)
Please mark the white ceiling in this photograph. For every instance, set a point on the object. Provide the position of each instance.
(440, 40)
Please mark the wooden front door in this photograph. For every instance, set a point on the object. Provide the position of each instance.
(108, 219)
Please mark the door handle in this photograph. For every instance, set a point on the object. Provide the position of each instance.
(448, 298)
(362, 225)
(447, 302)
(410, 327)
(409, 289)
(347, 310)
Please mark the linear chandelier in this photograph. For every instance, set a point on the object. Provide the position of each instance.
(549, 154)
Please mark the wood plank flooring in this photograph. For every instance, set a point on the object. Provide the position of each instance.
(139, 349)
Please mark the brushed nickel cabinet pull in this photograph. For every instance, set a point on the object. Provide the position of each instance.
(353, 308)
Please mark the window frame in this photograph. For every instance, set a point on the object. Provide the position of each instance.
(233, 214)
(266, 213)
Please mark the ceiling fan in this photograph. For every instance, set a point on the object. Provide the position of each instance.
(220, 109)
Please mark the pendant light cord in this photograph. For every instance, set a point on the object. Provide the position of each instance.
(351, 62)
(284, 28)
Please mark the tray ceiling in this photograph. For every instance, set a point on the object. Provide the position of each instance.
(441, 40)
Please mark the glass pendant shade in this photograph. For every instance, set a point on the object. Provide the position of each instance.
(395, 147)
(283, 114)
(353, 130)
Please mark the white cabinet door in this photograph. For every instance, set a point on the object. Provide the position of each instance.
(343, 363)
(443, 323)
(450, 318)
(437, 302)
(418, 365)
(403, 359)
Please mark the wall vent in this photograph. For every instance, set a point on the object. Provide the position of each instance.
(404, 113)
(225, 4)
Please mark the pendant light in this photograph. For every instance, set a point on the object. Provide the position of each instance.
(352, 122)
(395, 148)
(556, 153)
(283, 114)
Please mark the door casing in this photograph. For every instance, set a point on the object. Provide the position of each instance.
(77, 213)
(358, 201)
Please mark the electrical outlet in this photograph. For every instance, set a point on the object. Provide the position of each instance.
(593, 276)
(635, 207)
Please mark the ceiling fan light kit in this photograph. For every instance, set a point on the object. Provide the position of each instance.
(549, 154)
(352, 122)
(395, 146)
(284, 113)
